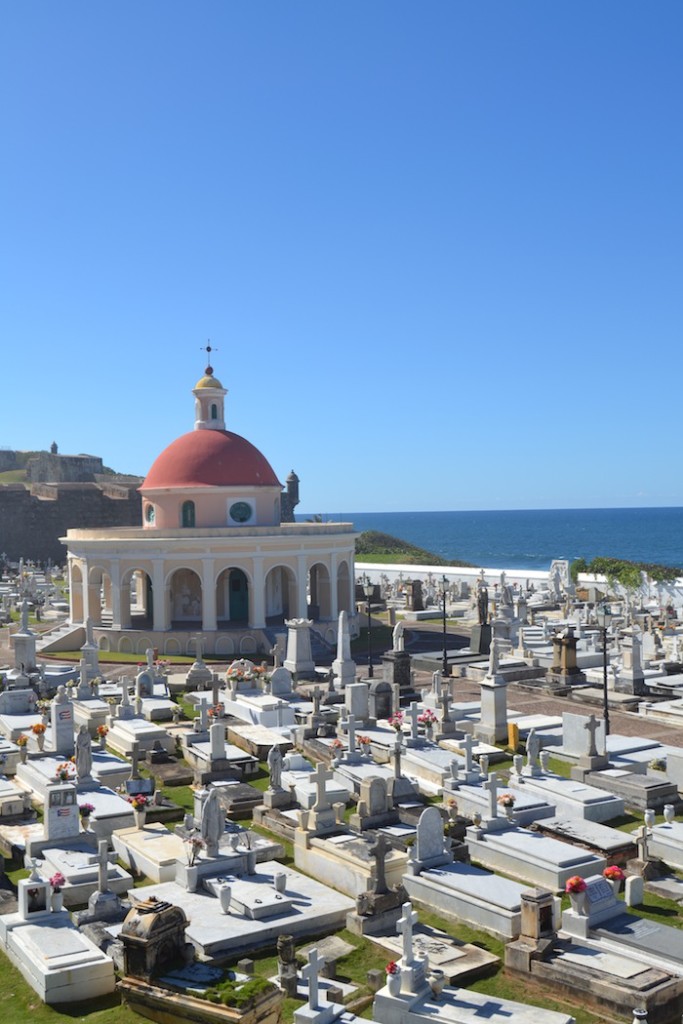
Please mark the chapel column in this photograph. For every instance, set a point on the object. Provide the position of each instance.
(209, 622)
(115, 577)
(334, 588)
(257, 595)
(302, 581)
(160, 620)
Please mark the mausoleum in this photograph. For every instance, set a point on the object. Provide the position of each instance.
(213, 552)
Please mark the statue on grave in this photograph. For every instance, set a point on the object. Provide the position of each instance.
(493, 658)
(83, 753)
(482, 603)
(275, 766)
(213, 822)
(397, 635)
(61, 695)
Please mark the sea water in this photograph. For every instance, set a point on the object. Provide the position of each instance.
(532, 539)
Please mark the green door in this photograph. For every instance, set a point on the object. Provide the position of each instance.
(239, 597)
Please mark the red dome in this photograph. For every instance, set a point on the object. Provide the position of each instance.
(210, 458)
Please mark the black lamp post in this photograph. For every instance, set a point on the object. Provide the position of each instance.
(368, 589)
(604, 617)
(444, 584)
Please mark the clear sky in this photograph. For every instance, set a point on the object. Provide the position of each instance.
(438, 245)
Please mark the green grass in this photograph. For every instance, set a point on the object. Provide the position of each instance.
(381, 639)
(124, 658)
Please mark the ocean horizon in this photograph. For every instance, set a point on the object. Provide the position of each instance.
(532, 538)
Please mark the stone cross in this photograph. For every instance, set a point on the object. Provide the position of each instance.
(492, 785)
(412, 716)
(321, 776)
(466, 745)
(592, 726)
(379, 851)
(445, 702)
(102, 866)
(198, 640)
(83, 672)
(125, 696)
(134, 756)
(311, 973)
(214, 688)
(641, 843)
(203, 715)
(396, 753)
(150, 660)
(317, 697)
(349, 724)
(405, 926)
(275, 652)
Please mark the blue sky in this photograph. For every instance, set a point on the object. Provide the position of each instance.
(438, 245)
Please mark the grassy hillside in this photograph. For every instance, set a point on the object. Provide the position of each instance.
(373, 546)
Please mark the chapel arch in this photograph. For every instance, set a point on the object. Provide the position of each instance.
(185, 598)
(232, 598)
(137, 600)
(281, 594)
(99, 596)
(320, 604)
(344, 587)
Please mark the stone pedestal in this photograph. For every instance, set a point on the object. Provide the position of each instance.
(277, 798)
(480, 639)
(299, 660)
(396, 669)
(493, 727)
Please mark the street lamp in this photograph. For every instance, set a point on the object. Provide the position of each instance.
(368, 589)
(604, 617)
(444, 585)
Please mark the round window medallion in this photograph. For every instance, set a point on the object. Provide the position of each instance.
(240, 512)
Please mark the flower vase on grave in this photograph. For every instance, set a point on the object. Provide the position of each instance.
(394, 982)
(23, 754)
(41, 740)
(192, 877)
(578, 902)
(103, 742)
(280, 881)
(57, 901)
(225, 896)
(669, 813)
(140, 817)
(437, 980)
(509, 812)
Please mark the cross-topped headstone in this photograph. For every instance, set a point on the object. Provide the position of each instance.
(437, 683)
(396, 754)
(198, 640)
(642, 843)
(445, 700)
(134, 757)
(466, 745)
(311, 973)
(321, 776)
(103, 866)
(405, 926)
(412, 717)
(349, 725)
(491, 785)
(592, 726)
(379, 851)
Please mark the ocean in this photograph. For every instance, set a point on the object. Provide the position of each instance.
(532, 539)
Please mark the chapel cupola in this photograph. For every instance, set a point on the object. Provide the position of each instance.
(209, 398)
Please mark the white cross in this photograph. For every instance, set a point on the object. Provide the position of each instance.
(467, 747)
(102, 866)
(405, 927)
(412, 715)
(310, 974)
(492, 785)
(350, 725)
(321, 777)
